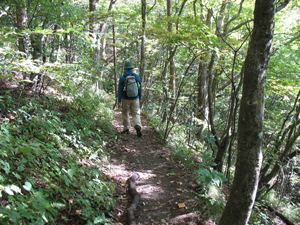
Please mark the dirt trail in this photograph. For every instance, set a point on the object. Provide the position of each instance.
(167, 196)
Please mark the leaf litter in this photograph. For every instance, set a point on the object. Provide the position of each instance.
(165, 186)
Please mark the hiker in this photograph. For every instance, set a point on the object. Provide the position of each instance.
(130, 95)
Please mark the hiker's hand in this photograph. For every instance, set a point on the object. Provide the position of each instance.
(119, 105)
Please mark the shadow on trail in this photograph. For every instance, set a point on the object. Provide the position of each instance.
(165, 186)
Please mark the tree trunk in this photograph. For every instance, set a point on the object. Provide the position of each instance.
(250, 125)
(171, 62)
(115, 64)
(284, 142)
(283, 160)
(101, 43)
(203, 110)
(22, 23)
(144, 23)
(68, 47)
(92, 16)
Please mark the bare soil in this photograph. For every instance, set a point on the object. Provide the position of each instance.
(165, 186)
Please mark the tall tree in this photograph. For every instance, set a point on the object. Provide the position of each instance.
(283, 148)
(250, 124)
(171, 59)
(144, 23)
(92, 8)
(101, 41)
(203, 110)
(22, 23)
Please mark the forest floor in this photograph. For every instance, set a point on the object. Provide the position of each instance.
(167, 193)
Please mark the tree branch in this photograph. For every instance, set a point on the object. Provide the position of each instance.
(281, 5)
(235, 16)
(281, 216)
(152, 6)
(240, 25)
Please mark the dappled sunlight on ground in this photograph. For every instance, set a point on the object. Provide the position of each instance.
(164, 185)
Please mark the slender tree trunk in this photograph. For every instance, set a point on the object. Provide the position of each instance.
(115, 64)
(164, 76)
(203, 110)
(101, 43)
(203, 107)
(68, 47)
(229, 133)
(287, 137)
(144, 23)
(250, 125)
(224, 141)
(171, 62)
(283, 159)
(92, 17)
(22, 23)
(211, 99)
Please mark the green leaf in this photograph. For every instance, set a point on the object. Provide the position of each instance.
(21, 168)
(24, 150)
(13, 215)
(36, 144)
(17, 175)
(210, 159)
(171, 174)
(27, 186)
(208, 179)
(24, 160)
(6, 166)
(27, 81)
(84, 190)
(101, 219)
(71, 172)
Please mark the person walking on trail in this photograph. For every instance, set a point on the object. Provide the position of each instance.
(130, 95)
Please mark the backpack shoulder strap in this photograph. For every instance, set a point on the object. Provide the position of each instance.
(134, 74)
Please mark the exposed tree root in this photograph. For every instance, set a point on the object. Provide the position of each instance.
(136, 197)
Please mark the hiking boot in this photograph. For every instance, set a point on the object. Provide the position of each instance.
(138, 130)
(126, 131)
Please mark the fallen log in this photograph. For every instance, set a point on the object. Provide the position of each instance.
(136, 198)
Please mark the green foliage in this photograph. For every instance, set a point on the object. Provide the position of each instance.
(213, 203)
(259, 216)
(46, 133)
(51, 155)
(206, 175)
(211, 185)
(184, 154)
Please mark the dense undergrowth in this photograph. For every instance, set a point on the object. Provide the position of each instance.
(193, 153)
(212, 191)
(50, 159)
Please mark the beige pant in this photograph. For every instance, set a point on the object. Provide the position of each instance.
(132, 106)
